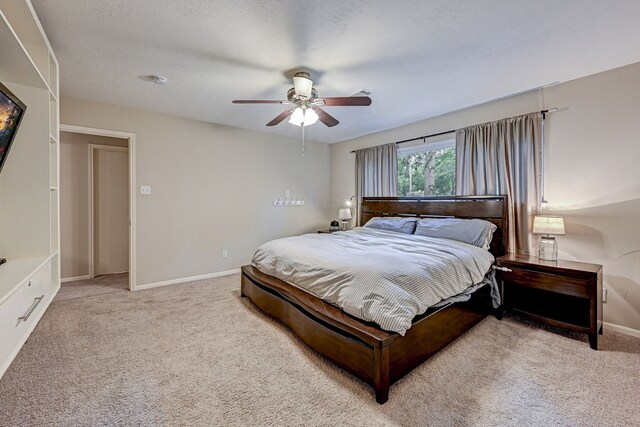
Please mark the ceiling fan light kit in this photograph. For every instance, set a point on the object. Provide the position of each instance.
(310, 117)
(297, 117)
(303, 117)
(304, 104)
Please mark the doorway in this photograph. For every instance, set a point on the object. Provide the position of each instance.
(108, 210)
(110, 205)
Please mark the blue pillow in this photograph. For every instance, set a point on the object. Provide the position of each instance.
(393, 223)
(477, 232)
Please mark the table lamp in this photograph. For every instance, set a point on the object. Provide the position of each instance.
(345, 215)
(548, 227)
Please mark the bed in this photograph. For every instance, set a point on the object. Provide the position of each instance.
(377, 356)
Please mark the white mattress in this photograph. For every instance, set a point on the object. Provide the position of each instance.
(376, 275)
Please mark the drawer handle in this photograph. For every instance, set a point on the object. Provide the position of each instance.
(508, 270)
(36, 301)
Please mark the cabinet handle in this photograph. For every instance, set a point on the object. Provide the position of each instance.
(36, 301)
(508, 270)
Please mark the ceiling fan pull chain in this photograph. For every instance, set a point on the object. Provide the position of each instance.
(302, 139)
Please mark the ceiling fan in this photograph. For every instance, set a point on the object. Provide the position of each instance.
(304, 104)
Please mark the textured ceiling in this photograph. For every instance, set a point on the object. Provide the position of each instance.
(419, 58)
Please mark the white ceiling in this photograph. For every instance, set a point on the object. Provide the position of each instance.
(420, 58)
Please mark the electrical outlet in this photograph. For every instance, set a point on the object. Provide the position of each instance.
(287, 194)
(604, 294)
(225, 253)
(145, 189)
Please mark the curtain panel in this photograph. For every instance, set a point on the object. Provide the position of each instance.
(376, 173)
(504, 157)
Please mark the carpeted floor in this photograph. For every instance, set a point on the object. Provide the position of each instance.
(198, 354)
(92, 287)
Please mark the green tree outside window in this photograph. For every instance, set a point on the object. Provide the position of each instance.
(428, 173)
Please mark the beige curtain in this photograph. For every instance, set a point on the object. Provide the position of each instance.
(504, 157)
(376, 173)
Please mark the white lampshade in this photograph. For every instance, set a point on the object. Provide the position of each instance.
(297, 118)
(310, 117)
(548, 225)
(302, 87)
(344, 213)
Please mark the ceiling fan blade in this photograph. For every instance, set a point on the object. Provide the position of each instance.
(280, 117)
(259, 101)
(358, 101)
(325, 117)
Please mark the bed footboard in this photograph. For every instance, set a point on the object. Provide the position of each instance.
(378, 357)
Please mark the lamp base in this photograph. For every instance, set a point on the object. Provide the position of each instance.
(344, 224)
(548, 249)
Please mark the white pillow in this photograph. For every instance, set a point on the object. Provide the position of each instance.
(393, 223)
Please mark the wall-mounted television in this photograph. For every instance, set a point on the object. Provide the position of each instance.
(11, 112)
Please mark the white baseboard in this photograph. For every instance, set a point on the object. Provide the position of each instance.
(187, 279)
(74, 278)
(622, 329)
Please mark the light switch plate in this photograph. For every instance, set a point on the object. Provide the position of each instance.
(145, 189)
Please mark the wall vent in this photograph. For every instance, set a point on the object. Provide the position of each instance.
(362, 92)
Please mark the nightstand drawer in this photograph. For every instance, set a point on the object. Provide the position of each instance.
(546, 281)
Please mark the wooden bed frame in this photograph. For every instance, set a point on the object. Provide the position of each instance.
(379, 357)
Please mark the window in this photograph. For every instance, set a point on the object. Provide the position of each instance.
(427, 169)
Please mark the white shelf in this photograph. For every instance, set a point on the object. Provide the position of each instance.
(29, 217)
(16, 65)
(14, 273)
(29, 68)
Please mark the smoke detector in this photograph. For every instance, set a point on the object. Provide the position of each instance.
(159, 80)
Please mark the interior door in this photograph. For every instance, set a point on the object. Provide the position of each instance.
(110, 210)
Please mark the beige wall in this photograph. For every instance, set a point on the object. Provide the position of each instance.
(592, 172)
(212, 188)
(74, 200)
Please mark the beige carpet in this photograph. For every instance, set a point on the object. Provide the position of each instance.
(91, 287)
(198, 354)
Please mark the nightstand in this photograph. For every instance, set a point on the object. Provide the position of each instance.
(561, 293)
(327, 231)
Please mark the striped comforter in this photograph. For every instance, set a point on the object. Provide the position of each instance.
(376, 275)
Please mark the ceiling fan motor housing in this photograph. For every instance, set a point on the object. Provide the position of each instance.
(291, 95)
(303, 85)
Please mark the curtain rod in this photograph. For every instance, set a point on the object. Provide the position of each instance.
(543, 112)
(420, 137)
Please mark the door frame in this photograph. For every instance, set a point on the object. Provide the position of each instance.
(92, 201)
(131, 138)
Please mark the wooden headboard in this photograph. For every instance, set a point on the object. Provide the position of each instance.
(490, 208)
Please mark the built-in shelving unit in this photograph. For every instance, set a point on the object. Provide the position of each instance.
(29, 181)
